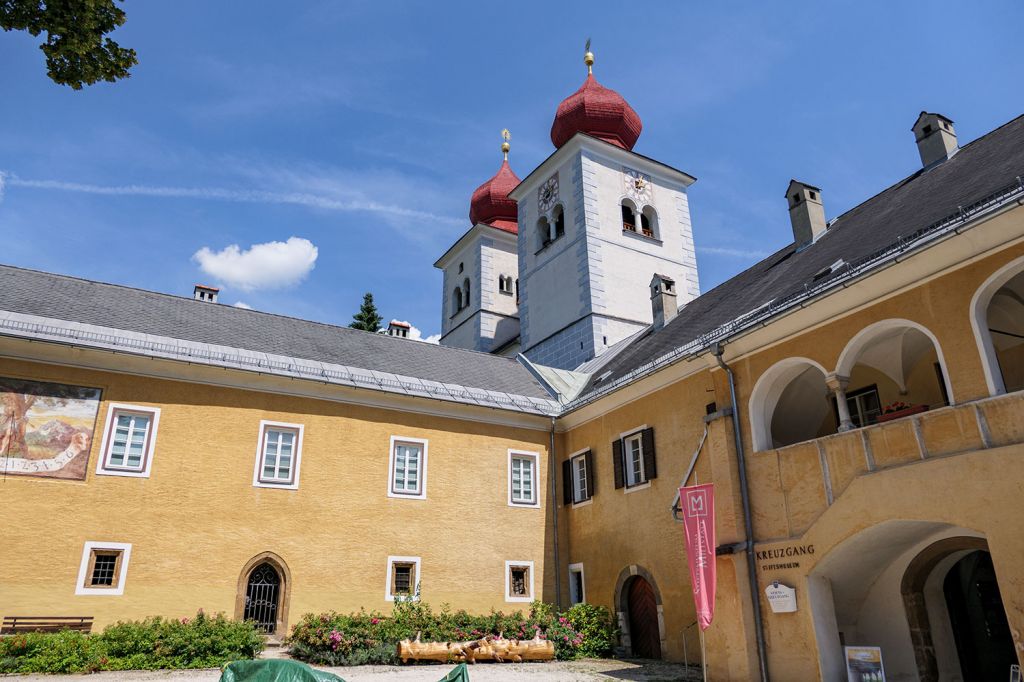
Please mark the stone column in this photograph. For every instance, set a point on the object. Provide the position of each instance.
(837, 384)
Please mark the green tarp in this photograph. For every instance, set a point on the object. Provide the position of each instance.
(283, 670)
(275, 670)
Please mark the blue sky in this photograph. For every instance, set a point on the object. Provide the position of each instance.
(360, 129)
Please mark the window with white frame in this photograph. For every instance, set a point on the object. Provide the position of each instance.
(522, 479)
(577, 591)
(578, 477)
(278, 455)
(633, 457)
(128, 440)
(518, 581)
(104, 568)
(408, 465)
(403, 579)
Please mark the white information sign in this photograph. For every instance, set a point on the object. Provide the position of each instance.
(781, 598)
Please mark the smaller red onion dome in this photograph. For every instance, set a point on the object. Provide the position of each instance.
(490, 203)
(598, 111)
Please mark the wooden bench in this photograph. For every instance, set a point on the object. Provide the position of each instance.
(12, 625)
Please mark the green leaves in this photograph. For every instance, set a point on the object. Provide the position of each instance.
(76, 47)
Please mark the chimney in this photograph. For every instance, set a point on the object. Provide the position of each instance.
(399, 329)
(806, 212)
(663, 300)
(936, 139)
(205, 293)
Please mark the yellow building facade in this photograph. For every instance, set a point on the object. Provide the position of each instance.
(162, 455)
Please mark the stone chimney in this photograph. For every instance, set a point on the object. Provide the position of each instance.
(399, 329)
(806, 212)
(936, 139)
(205, 293)
(663, 300)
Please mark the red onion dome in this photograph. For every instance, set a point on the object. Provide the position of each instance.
(490, 203)
(598, 111)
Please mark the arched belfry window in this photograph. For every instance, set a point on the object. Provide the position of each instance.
(543, 232)
(465, 292)
(649, 222)
(456, 300)
(559, 215)
(628, 216)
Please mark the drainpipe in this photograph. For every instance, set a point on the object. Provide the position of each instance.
(554, 512)
(741, 464)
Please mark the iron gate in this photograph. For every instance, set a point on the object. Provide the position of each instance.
(262, 597)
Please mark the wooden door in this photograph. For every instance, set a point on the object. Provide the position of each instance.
(643, 619)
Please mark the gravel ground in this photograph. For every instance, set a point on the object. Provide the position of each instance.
(570, 671)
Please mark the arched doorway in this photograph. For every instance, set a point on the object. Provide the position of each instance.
(982, 634)
(643, 619)
(639, 607)
(264, 587)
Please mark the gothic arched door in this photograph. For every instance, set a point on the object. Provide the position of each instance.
(263, 597)
(644, 635)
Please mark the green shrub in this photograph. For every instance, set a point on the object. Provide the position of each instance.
(371, 637)
(151, 644)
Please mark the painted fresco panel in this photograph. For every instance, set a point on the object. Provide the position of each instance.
(46, 429)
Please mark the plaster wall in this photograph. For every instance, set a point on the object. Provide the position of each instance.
(196, 521)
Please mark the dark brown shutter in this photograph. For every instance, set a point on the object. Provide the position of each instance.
(567, 481)
(650, 464)
(618, 463)
(589, 458)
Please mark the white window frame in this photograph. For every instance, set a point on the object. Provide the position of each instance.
(392, 560)
(103, 468)
(400, 440)
(577, 485)
(508, 581)
(535, 457)
(257, 471)
(627, 436)
(126, 553)
(577, 568)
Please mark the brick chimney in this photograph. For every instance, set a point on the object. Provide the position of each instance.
(806, 212)
(936, 139)
(663, 300)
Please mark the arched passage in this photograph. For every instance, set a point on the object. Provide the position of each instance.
(886, 586)
(997, 315)
(790, 404)
(264, 588)
(890, 363)
(640, 612)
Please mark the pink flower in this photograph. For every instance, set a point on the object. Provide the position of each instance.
(374, 621)
(562, 620)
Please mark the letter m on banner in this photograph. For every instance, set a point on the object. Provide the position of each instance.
(698, 503)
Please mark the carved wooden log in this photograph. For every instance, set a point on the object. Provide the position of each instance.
(485, 649)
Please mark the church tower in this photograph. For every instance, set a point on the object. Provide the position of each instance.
(479, 309)
(596, 222)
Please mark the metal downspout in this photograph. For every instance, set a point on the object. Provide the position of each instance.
(741, 463)
(554, 512)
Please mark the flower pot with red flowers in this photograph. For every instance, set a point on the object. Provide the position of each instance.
(899, 409)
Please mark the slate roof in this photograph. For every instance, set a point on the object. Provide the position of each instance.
(60, 297)
(979, 169)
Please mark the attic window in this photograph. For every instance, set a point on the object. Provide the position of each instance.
(825, 272)
(604, 376)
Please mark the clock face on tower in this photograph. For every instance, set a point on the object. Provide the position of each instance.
(638, 185)
(547, 194)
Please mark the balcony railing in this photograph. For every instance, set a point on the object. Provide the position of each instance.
(814, 474)
(647, 232)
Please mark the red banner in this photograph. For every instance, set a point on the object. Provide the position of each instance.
(698, 504)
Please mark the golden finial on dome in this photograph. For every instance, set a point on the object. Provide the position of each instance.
(588, 58)
(506, 136)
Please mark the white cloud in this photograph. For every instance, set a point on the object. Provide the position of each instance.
(3, 181)
(416, 335)
(243, 305)
(261, 266)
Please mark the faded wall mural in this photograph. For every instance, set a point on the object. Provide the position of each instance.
(46, 429)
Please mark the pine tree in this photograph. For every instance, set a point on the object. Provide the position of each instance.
(367, 319)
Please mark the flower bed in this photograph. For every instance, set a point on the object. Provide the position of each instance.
(151, 644)
(584, 631)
